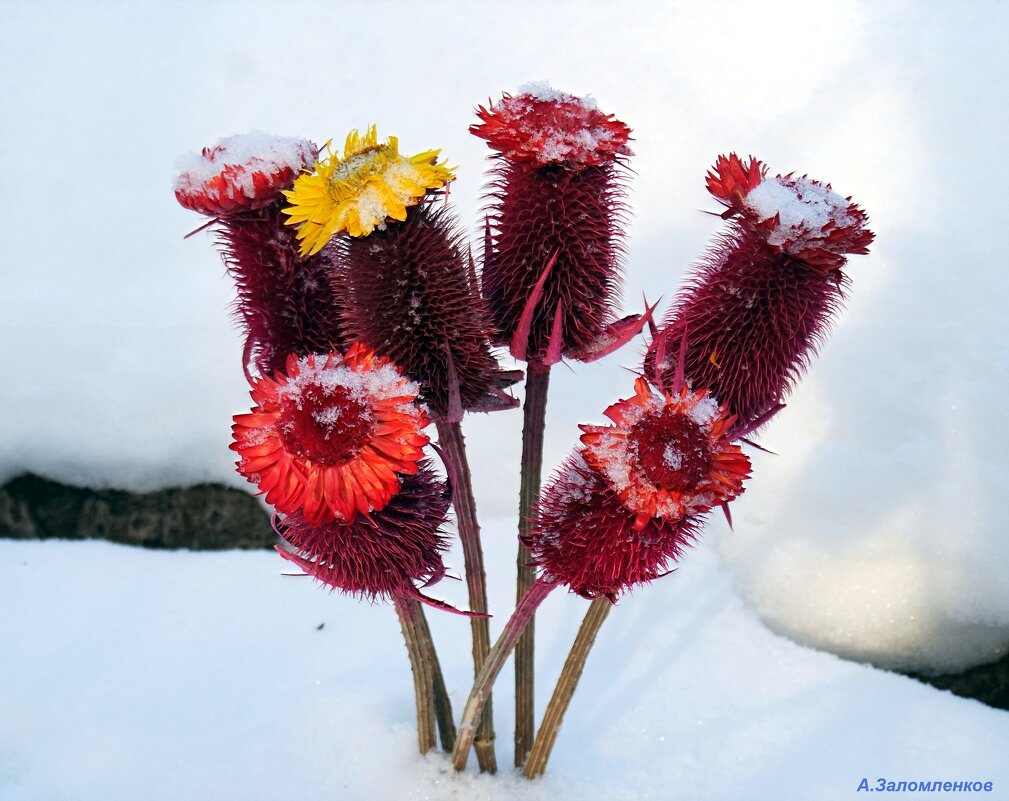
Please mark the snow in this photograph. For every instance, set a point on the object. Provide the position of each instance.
(216, 682)
(877, 532)
(803, 208)
(544, 92)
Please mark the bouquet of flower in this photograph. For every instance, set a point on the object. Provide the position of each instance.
(367, 321)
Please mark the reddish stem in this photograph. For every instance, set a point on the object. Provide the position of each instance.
(534, 424)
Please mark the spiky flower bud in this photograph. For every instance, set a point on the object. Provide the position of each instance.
(756, 308)
(625, 505)
(286, 303)
(412, 296)
(551, 271)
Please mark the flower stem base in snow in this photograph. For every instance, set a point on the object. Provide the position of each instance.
(534, 421)
(599, 610)
(442, 703)
(450, 438)
(498, 655)
(420, 664)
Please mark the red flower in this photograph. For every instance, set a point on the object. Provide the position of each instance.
(242, 172)
(752, 314)
(543, 126)
(551, 272)
(332, 436)
(666, 456)
(383, 554)
(627, 504)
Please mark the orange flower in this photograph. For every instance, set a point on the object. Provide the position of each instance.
(667, 457)
(331, 436)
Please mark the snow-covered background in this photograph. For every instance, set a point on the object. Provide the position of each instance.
(875, 532)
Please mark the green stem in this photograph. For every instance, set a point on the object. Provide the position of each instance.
(534, 423)
(598, 611)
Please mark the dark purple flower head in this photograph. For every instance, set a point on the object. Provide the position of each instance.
(624, 506)
(412, 295)
(761, 301)
(586, 538)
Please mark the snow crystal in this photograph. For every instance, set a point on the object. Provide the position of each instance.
(671, 457)
(803, 207)
(704, 412)
(327, 417)
(542, 90)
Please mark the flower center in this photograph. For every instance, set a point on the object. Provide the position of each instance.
(352, 173)
(326, 425)
(671, 449)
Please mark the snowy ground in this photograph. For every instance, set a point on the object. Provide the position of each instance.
(213, 681)
(878, 532)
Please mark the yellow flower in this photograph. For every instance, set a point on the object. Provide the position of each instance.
(358, 193)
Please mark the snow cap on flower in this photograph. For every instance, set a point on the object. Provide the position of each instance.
(541, 125)
(387, 553)
(357, 193)
(666, 455)
(413, 296)
(332, 436)
(242, 172)
(800, 217)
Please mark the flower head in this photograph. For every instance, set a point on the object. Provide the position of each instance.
(331, 436)
(241, 172)
(414, 298)
(384, 554)
(541, 125)
(555, 226)
(357, 193)
(666, 455)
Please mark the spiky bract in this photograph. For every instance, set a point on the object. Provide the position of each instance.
(287, 304)
(385, 553)
(567, 220)
(583, 536)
